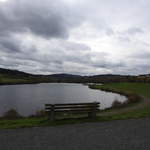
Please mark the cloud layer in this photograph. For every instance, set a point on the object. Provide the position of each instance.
(75, 36)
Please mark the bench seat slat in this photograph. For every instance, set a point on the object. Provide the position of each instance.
(65, 104)
(75, 110)
(47, 110)
(74, 107)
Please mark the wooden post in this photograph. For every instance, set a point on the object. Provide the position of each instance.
(52, 113)
(92, 114)
(94, 111)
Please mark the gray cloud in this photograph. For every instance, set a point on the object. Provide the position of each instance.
(83, 37)
(9, 44)
(134, 30)
(141, 55)
(43, 19)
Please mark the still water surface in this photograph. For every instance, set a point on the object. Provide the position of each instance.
(29, 98)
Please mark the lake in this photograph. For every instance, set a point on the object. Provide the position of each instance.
(29, 98)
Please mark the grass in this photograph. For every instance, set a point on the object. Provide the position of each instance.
(7, 80)
(36, 122)
(137, 88)
(20, 123)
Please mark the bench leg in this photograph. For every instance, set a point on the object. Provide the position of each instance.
(52, 113)
(52, 116)
(92, 115)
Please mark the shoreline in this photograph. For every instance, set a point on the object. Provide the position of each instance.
(23, 83)
(3, 84)
(132, 98)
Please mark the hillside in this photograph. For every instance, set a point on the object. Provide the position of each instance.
(8, 76)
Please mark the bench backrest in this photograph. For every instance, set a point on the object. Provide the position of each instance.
(72, 107)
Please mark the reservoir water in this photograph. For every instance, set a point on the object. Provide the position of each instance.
(29, 98)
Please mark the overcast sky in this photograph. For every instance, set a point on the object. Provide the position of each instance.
(83, 37)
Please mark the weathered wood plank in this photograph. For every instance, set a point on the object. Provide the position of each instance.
(94, 103)
(73, 107)
(90, 108)
(75, 110)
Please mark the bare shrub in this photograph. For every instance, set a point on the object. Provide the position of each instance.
(116, 104)
(133, 98)
(11, 114)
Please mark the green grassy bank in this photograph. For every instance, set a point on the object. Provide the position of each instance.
(142, 109)
(138, 88)
(137, 110)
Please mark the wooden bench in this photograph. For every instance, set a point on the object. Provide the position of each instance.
(90, 108)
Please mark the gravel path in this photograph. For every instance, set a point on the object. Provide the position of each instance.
(115, 135)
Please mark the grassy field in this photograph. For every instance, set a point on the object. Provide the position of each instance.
(138, 88)
(4, 79)
(142, 109)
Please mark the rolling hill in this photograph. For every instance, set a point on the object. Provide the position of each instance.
(8, 76)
